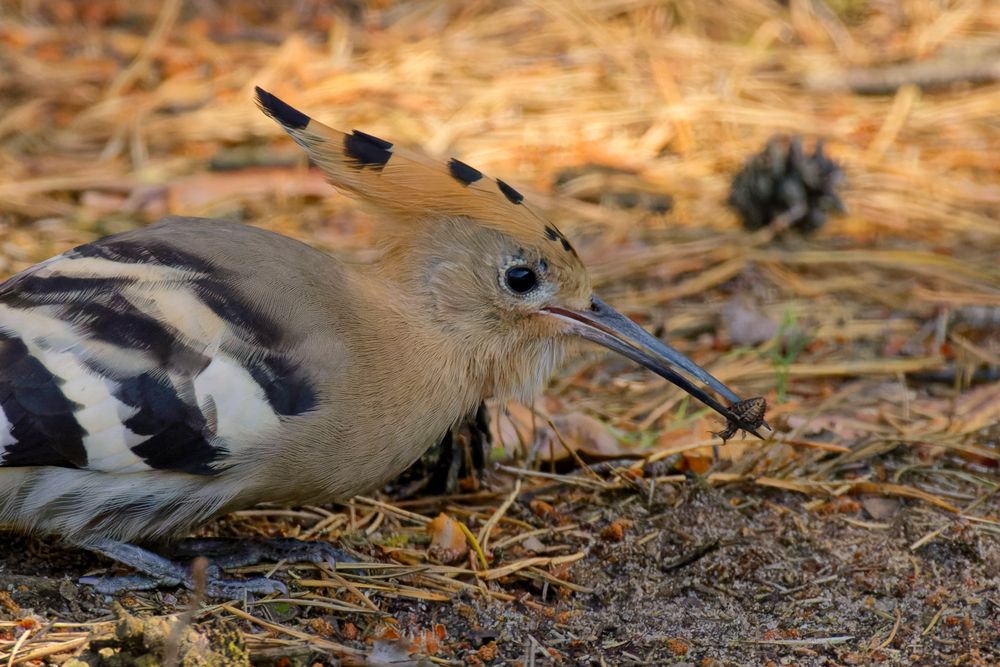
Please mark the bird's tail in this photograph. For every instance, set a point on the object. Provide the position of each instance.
(82, 506)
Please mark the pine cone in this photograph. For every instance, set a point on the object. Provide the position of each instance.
(782, 183)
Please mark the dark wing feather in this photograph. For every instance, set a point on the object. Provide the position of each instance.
(129, 354)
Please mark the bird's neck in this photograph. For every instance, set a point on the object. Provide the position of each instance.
(413, 382)
(396, 383)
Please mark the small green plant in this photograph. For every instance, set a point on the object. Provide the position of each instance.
(681, 415)
(788, 344)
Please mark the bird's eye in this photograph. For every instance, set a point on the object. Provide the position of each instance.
(521, 279)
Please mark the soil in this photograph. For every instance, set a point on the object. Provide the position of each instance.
(701, 575)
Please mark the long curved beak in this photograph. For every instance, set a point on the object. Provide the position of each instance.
(605, 326)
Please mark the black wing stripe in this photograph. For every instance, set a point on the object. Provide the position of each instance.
(287, 389)
(43, 427)
(237, 313)
(120, 323)
(179, 434)
(30, 289)
(111, 312)
(147, 252)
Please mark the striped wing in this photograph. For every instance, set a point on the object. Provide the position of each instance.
(129, 354)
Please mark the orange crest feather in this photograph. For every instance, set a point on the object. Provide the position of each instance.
(405, 184)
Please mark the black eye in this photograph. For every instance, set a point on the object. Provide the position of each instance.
(521, 279)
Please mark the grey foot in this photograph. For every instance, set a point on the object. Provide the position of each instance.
(159, 571)
(216, 587)
(227, 553)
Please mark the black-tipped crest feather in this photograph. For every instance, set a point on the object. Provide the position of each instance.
(290, 117)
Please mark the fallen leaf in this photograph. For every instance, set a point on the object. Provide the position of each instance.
(615, 531)
(533, 545)
(880, 509)
(520, 429)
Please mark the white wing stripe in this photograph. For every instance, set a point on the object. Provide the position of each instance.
(6, 432)
(96, 267)
(242, 411)
(197, 324)
(108, 441)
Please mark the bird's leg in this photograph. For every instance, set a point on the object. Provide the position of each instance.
(461, 453)
(227, 553)
(158, 571)
(480, 439)
(469, 444)
(444, 473)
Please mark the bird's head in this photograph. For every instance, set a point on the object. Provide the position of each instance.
(491, 272)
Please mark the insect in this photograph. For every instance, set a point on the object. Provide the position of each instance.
(749, 416)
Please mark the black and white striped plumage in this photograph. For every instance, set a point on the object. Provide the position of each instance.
(131, 354)
(153, 379)
(157, 378)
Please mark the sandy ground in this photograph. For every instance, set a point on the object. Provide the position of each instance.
(700, 575)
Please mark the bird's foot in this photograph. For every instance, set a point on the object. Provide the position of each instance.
(157, 571)
(215, 586)
(227, 553)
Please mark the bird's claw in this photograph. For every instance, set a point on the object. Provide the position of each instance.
(156, 571)
(230, 553)
(215, 586)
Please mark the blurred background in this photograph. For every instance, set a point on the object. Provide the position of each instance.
(802, 195)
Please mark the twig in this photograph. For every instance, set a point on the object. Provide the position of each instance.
(55, 649)
(199, 571)
(511, 568)
(892, 633)
(392, 509)
(691, 556)
(349, 585)
(474, 543)
(927, 538)
(937, 617)
(514, 539)
(926, 75)
(565, 479)
(17, 646)
(325, 644)
(818, 641)
(157, 36)
(484, 532)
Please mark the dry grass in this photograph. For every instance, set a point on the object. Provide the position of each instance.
(112, 117)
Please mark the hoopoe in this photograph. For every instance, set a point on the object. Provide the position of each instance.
(157, 378)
